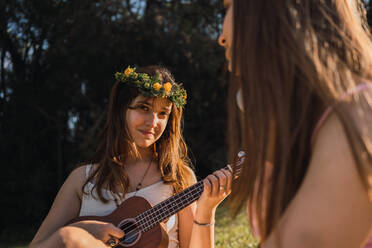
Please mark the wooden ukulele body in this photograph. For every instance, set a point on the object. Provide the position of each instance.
(156, 237)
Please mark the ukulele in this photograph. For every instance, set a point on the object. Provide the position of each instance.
(142, 223)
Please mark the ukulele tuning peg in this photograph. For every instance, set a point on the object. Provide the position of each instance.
(238, 164)
(241, 155)
(235, 167)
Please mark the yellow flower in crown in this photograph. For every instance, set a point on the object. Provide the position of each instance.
(167, 87)
(128, 71)
(149, 86)
(157, 86)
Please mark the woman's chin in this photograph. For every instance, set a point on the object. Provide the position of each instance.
(144, 145)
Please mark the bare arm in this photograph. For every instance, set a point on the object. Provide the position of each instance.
(204, 210)
(66, 206)
(185, 218)
(331, 208)
(71, 237)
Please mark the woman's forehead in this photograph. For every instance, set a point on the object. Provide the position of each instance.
(157, 102)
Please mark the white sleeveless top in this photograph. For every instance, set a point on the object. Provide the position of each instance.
(154, 193)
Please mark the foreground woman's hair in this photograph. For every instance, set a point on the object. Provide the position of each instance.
(293, 59)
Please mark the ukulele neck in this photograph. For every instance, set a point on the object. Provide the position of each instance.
(169, 207)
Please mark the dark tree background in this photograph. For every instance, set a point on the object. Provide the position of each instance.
(57, 60)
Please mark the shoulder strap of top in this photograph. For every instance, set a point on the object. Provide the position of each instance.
(88, 170)
(329, 110)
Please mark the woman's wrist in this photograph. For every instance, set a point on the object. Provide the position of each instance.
(204, 224)
(206, 217)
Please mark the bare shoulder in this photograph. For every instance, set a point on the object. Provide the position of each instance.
(191, 175)
(65, 207)
(332, 152)
(338, 150)
(331, 196)
(79, 172)
(331, 139)
(333, 161)
(333, 167)
(77, 179)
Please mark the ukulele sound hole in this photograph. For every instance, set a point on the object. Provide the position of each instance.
(132, 232)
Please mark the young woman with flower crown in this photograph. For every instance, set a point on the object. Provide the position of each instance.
(141, 153)
(301, 75)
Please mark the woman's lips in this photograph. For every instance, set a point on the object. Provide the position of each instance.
(146, 133)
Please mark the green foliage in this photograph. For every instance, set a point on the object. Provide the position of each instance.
(57, 60)
(234, 233)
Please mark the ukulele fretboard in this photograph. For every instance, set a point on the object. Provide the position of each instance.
(167, 208)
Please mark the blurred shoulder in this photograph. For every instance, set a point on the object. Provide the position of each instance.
(338, 150)
(78, 177)
(79, 173)
(190, 175)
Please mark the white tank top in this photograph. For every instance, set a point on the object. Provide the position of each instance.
(154, 193)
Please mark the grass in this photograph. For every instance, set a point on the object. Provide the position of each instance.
(228, 233)
(233, 232)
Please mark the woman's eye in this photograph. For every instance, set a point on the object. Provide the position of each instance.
(143, 107)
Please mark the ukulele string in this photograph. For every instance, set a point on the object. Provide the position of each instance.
(237, 170)
(159, 208)
(181, 198)
(149, 218)
(192, 192)
(162, 208)
(135, 232)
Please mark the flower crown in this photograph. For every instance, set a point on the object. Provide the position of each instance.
(151, 87)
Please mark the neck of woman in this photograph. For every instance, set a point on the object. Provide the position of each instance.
(144, 154)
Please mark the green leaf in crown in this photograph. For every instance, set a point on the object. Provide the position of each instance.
(151, 86)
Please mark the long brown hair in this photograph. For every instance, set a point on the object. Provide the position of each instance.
(292, 59)
(115, 143)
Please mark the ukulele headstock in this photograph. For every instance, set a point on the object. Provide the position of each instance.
(236, 167)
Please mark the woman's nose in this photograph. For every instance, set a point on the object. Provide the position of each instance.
(152, 119)
(222, 40)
